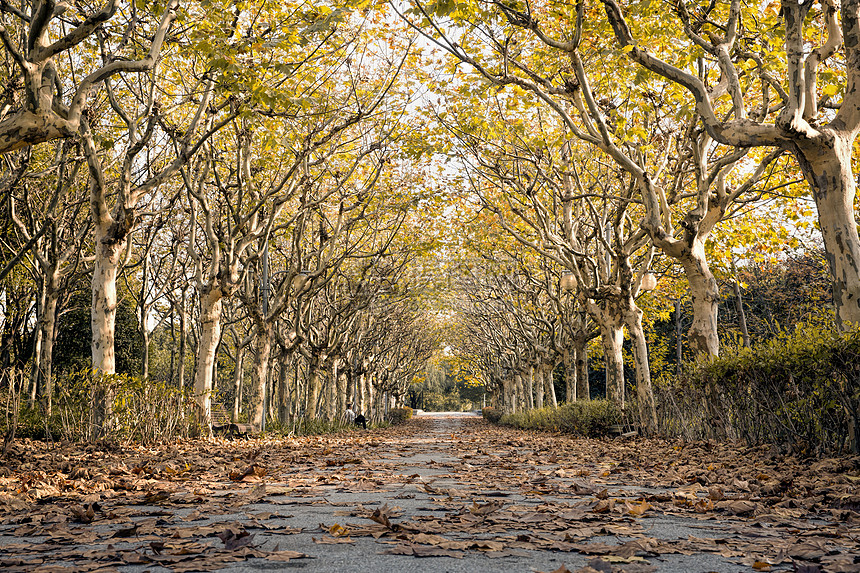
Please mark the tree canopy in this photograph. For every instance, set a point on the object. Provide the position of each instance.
(290, 207)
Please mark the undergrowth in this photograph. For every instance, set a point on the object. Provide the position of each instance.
(118, 408)
(589, 418)
(799, 390)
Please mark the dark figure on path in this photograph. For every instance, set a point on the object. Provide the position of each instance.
(360, 420)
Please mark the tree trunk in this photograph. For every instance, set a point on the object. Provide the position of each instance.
(540, 387)
(826, 163)
(144, 331)
(341, 389)
(367, 400)
(331, 391)
(238, 374)
(183, 341)
(350, 393)
(742, 317)
(378, 410)
(103, 319)
(550, 384)
(144, 358)
(358, 406)
(313, 388)
(259, 390)
(679, 344)
(612, 338)
(569, 376)
(580, 347)
(47, 326)
(36, 373)
(529, 390)
(508, 395)
(211, 302)
(284, 392)
(705, 297)
(519, 399)
(644, 392)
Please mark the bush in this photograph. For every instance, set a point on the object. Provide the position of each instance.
(305, 427)
(491, 414)
(590, 418)
(399, 415)
(141, 411)
(799, 390)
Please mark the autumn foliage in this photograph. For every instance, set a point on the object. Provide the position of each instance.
(399, 415)
(591, 418)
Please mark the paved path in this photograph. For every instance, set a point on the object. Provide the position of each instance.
(440, 470)
(444, 493)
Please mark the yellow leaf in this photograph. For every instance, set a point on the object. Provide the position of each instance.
(830, 90)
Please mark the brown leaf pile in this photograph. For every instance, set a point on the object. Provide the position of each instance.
(493, 491)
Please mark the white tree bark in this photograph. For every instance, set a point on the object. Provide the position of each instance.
(262, 358)
(238, 376)
(826, 162)
(314, 388)
(47, 334)
(109, 250)
(211, 302)
(529, 390)
(644, 393)
(569, 376)
(705, 298)
(508, 395)
(612, 338)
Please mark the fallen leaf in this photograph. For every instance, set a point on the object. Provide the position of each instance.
(235, 540)
(286, 556)
(637, 509)
(604, 506)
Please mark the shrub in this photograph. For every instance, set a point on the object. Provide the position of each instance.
(491, 414)
(399, 415)
(590, 418)
(141, 411)
(799, 390)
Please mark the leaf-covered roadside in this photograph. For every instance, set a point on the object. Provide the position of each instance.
(497, 492)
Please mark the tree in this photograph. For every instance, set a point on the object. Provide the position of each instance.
(580, 216)
(45, 99)
(618, 112)
(801, 122)
(57, 253)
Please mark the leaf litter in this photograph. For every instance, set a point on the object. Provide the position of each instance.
(494, 491)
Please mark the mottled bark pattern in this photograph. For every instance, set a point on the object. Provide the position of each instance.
(211, 302)
(109, 249)
(826, 162)
(259, 390)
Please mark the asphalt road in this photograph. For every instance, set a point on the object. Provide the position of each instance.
(429, 456)
(447, 484)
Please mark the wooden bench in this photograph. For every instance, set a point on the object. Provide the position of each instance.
(222, 425)
(623, 431)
